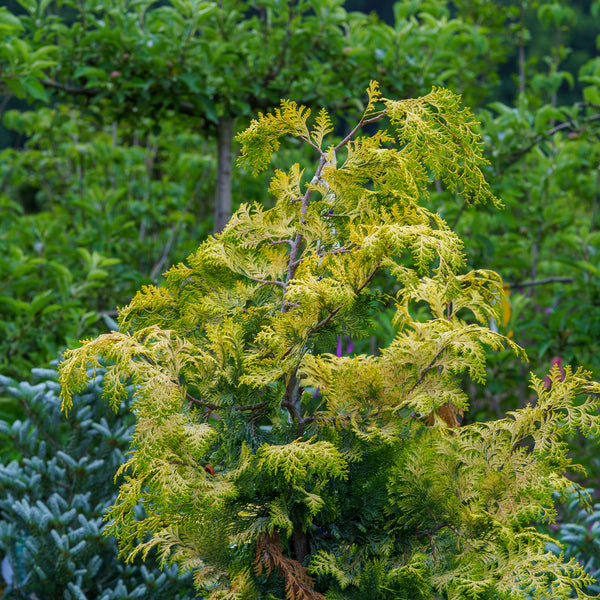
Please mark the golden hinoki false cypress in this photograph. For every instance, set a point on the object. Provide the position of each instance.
(274, 468)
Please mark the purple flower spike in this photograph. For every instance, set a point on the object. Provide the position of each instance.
(338, 348)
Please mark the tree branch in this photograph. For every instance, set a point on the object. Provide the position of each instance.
(266, 281)
(68, 89)
(339, 251)
(202, 403)
(426, 370)
(364, 121)
(324, 321)
(294, 260)
(185, 108)
(532, 282)
(335, 311)
(513, 158)
(252, 407)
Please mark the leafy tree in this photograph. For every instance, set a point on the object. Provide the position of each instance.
(274, 468)
(217, 62)
(543, 149)
(212, 61)
(123, 161)
(77, 203)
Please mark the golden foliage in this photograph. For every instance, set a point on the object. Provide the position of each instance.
(361, 456)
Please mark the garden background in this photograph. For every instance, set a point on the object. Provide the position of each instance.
(117, 151)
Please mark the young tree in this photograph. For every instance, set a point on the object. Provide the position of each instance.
(274, 468)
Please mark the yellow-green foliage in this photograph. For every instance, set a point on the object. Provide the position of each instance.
(274, 468)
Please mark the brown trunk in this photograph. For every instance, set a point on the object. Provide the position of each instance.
(300, 542)
(223, 195)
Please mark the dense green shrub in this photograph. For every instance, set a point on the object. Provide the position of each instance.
(53, 499)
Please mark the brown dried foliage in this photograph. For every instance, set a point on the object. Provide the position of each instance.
(269, 556)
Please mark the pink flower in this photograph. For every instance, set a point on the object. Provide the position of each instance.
(557, 364)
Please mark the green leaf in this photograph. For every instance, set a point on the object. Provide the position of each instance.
(41, 300)
(592, 94)
(35, 89)
(97, 274)
(16, 87)
(91, 73)
(191, 80)
(9, 22)
(30, 6)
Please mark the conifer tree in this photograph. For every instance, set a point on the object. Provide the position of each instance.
(273, 468)
(53, 499)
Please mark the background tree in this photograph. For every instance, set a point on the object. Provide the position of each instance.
(124, 164)
(213, 61)
(542, 148)
(56, 480)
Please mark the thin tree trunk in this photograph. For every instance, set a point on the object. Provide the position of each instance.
(223, 195)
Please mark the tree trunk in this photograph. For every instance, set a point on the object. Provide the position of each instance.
(300, 541)
(223, 194)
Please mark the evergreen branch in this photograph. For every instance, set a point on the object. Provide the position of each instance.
(336, 310)
(426, 370)
(324, 321)
(252, 407)
(41, 429)
(306, 198)
(181, 463)
(292, 266)
(364, 121)
(345, 417)
(294, 260)
(289, 400)
(369, 278)
(203, 403)
(298, 583)
(429, 533)
(213, 407)
(275, 242)
(339, 250)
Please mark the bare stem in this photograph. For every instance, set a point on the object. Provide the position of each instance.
(532, 282)
(266, 281)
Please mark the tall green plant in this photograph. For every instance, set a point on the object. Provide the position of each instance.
(273, 467)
